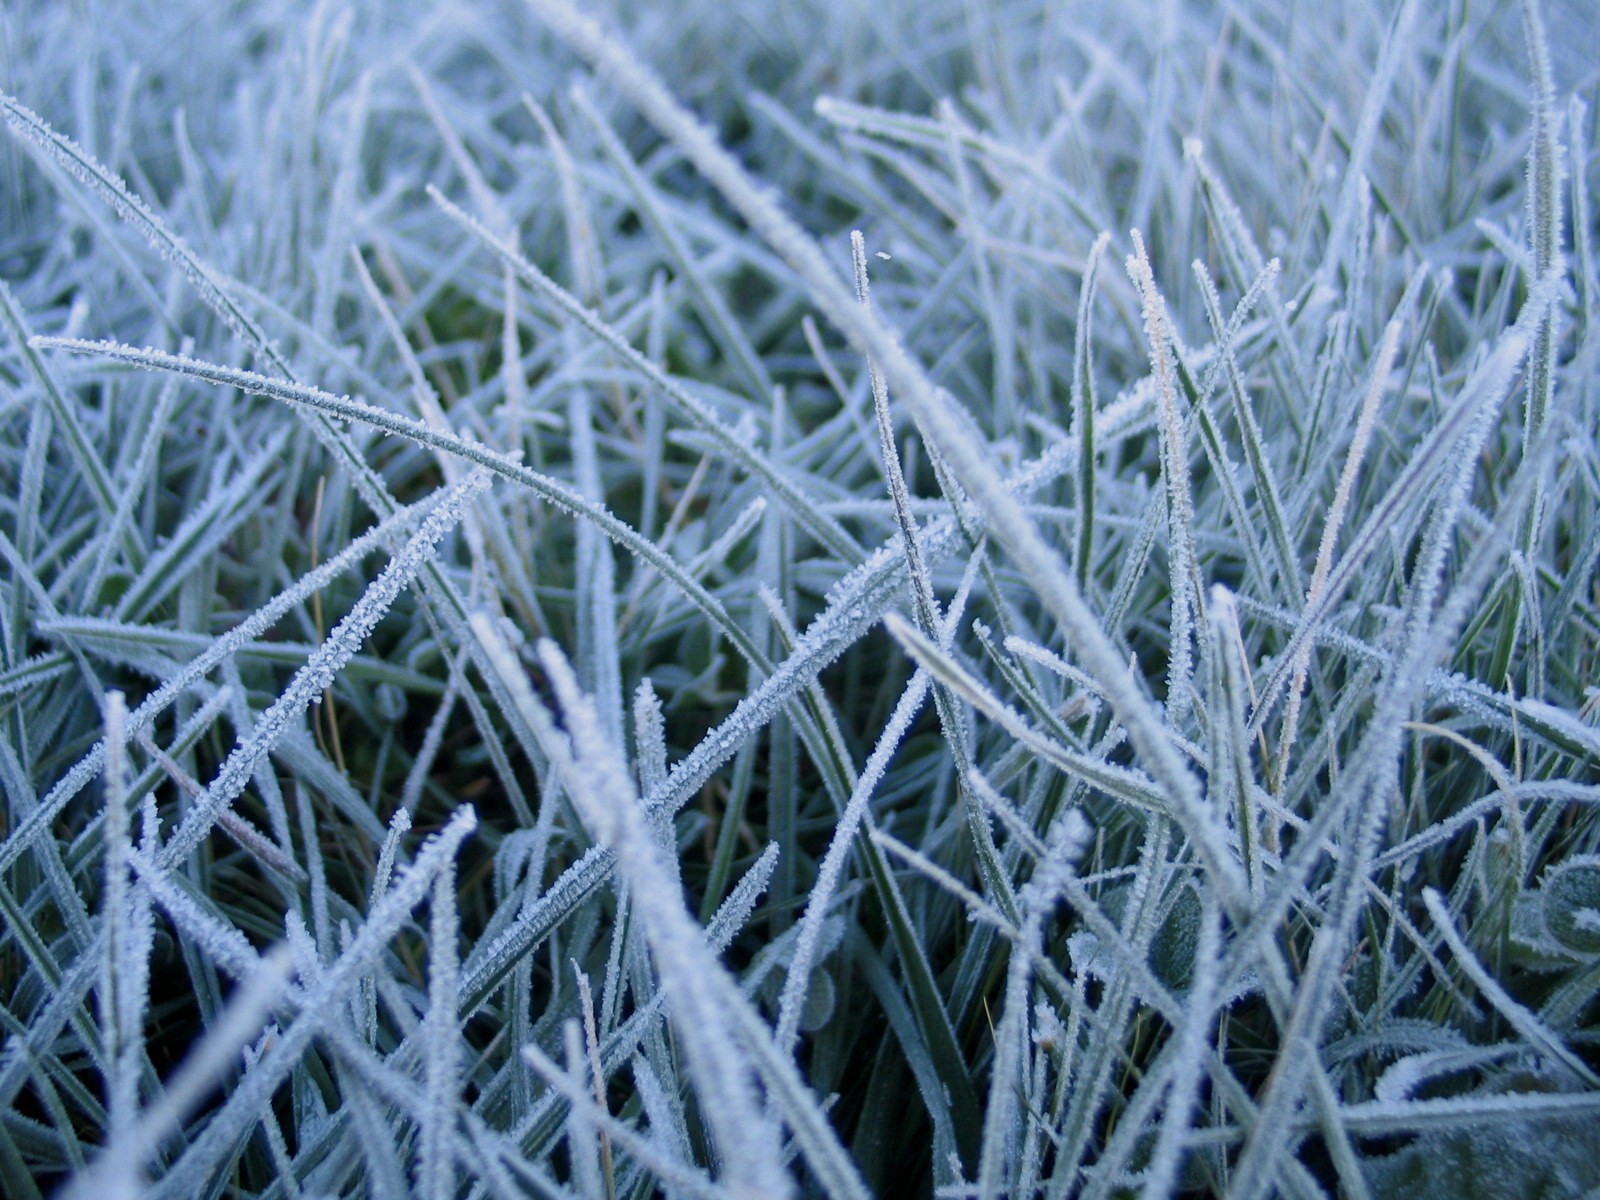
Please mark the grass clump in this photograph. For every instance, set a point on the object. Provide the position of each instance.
(907, 599)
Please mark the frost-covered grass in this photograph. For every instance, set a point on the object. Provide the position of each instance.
(990, 599)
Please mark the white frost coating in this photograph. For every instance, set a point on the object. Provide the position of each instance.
(322, 1003)
(318, 673)
(399, 826)
(622, 1043)
(214, 290)
(660, 1157)
(221, 942)
(1545, 1040)
(311, 840)
(428, 752)
(38, 821)
(1257, 456)
(1354, 171)
(825, 528)
(854, 604)
(600, 785)
(1369, 777)
(650, 739)
(1085, 402)
(124, 974)
(599, 652)
(1070, 1067)
(224, 506)
(1037, 900)
(346, 408)
(119, 1169)
(442, 1040)
(921, 582)
(798, 979)
(1464, 420)
(1330, 529)
(1185, 576)
(717, 553)
(84, 167)
(58, 407)
(1192, 1050)
(934, 410)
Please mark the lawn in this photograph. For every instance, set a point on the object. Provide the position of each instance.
(984, 599)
